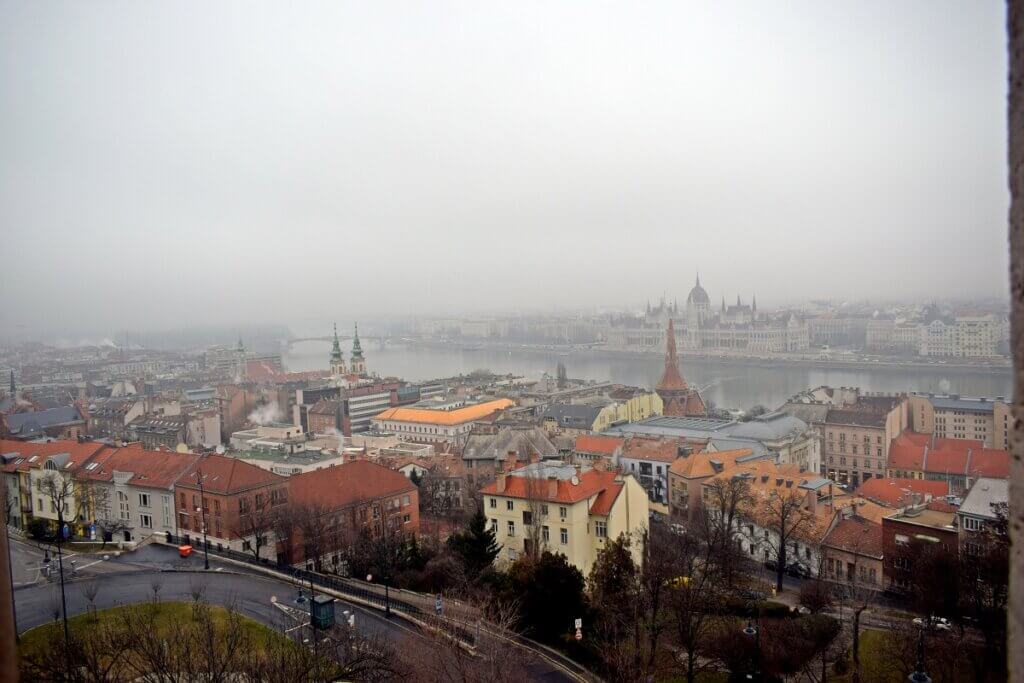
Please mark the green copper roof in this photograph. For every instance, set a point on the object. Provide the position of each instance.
(357, 349)
(336, 347)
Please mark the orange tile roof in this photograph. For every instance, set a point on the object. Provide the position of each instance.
(342, 485)
(445, 417)
(605, 445)
(224, 475)
(698, 465)
(896, 492)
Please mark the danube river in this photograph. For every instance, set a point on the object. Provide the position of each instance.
(731, 385)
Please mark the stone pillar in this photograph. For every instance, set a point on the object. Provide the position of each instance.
(1015, 120)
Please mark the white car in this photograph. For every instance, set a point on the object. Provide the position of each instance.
(938, 623)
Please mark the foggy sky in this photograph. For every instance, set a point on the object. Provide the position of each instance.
(188, 163)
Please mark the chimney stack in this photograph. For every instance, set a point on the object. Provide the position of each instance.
(510, 461)
(534, 456)
(500, 482)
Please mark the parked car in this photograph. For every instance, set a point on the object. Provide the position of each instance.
(798, 571)
(752, 595)
(938, 623)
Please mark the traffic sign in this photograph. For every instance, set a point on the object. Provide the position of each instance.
(579, 624)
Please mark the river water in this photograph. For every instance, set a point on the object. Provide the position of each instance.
(728, 385)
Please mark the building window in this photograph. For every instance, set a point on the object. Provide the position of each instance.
(494, 525)
(544, 510)
(902, 540)
(146, 521)
(511, 528)
(563, 512)
(545, 534)
(527, 518)
(122, 505)
(405, 500)
(143, 500)
(564, 536)
(971, 524)
(406, 519)
(601, 529)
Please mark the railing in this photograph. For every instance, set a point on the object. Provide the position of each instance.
(465, 627)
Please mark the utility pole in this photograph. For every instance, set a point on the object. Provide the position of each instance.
(60, 558)
(202, 508)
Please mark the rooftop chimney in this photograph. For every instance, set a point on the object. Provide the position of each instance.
(500, 482)
(534, 456)
(510, 461)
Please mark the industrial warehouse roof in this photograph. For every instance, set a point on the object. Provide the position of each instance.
(445, 417)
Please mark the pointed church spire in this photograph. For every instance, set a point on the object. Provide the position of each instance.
(737, 300)
(336, 347)
(357, 348)
(13, 388)
(755, 304)
(723, 304)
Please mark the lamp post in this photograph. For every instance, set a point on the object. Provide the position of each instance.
(202, 509)
(919, 676)
(754, 631)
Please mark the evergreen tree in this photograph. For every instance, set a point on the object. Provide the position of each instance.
(550, 594)
(416, 478)
(477, 546)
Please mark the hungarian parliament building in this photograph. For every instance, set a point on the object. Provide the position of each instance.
(701, 326)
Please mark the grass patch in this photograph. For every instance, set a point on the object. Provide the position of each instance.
(41, 638)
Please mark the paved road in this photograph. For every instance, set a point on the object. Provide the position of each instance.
(250, 595)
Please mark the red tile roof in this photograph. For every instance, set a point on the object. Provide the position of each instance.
(602, 505)
(856, 535)
(897, 492)
(913, 452)
(654, 449)
(342, 485)
(591, 483)
(79, 452)
(225, 475)
(154, 469)
(604, 445)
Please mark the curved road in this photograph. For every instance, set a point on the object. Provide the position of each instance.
(248, 593)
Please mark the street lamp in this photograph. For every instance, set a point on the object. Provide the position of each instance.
(202, 508)
(753, 630)
(919, 676)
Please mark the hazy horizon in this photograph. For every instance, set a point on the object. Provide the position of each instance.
(180, 165)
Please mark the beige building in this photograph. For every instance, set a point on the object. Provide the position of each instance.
(955, 417)
(562, 509)
(856, 438)
(446, 424)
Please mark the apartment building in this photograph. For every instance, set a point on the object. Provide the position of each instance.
(560, 508)
(357, 497)
(216, 492)
(426, 424)
(856, 438)
(951, 416)
(132, 489)
(956, 462)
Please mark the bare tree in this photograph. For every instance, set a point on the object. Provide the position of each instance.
(785, 516)
(90, 588)
(725, 500)
(197, 589)
(156, 583)
(537, 494)
(257, 520)
(108, 520)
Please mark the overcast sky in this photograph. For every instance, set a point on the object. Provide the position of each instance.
(177, 163)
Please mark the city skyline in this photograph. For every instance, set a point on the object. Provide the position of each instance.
(363, 159)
